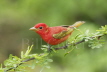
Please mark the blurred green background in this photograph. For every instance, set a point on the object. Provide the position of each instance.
(17, 16)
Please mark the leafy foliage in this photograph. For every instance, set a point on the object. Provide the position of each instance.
(94, 39)
(17, 64)
(14, 63)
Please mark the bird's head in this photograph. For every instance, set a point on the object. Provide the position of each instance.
(40, 28)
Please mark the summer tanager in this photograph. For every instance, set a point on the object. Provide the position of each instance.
(55, 35)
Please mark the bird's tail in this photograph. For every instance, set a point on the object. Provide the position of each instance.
(78, 23)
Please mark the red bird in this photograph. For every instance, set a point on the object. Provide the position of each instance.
(55, 35)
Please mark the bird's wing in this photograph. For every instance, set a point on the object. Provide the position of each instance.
(68, 31)
(63, 33)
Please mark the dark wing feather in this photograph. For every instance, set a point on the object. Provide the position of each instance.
(65, 25)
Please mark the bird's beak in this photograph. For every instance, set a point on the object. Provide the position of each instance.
(33, 28)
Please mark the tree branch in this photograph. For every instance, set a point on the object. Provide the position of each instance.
(63, 47)
(20, 64)
(83, 40)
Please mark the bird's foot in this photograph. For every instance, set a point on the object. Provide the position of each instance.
(49, 48)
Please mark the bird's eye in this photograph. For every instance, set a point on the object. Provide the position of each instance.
(40, 27)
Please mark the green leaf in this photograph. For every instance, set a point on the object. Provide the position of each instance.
(69, 51)
(22, 54)
(48, 67)
(28, 50)
(49, 60)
